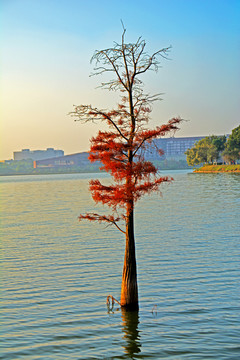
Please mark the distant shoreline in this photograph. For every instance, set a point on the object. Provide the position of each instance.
(218, 169)
(51, 173)
(29, 170)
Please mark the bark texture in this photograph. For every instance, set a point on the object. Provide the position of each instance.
(129, 291)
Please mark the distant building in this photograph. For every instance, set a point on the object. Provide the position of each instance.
(26, 154)
(67, 161)
(173, 148)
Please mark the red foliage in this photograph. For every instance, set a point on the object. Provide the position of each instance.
(133, 179)
(121, 149)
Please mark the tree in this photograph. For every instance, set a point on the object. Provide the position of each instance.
(192, 156)
(206, 150)
(219, 142)
(232, 149)
(121, 149)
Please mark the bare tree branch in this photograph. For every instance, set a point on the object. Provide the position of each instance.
(102, 218)
(88, 113)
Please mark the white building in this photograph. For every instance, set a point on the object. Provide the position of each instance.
(26, 154)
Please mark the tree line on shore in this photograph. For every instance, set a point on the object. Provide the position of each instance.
(215, 149)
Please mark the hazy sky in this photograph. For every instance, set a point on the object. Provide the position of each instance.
(46, 46)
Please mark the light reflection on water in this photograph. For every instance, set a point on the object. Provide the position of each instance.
(56, 272)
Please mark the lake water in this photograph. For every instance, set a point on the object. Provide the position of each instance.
(56, 272)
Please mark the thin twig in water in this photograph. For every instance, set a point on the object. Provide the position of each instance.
(113, 301)
(154, 309)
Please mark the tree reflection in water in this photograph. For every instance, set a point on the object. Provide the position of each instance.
(130, 321)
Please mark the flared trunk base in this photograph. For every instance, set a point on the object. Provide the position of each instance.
(130, 307)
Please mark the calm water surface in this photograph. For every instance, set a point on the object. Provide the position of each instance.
(57, 272)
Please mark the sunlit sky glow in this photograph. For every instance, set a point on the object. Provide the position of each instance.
(46, 46)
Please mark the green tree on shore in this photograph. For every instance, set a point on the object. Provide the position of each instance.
(212, 148)
(232, 148)
(219, 142)
(206, 151)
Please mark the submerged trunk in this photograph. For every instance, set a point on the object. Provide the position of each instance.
(129, 291)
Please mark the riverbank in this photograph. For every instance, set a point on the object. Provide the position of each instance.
(218, 169)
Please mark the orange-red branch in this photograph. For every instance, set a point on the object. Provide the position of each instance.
(102, 218)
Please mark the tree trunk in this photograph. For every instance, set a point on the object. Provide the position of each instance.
(129, 291)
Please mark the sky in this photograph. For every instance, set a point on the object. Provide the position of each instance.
(46, 47)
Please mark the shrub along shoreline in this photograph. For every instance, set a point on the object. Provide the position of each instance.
(218, 169)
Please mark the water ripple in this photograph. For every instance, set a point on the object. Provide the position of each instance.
(56, 273)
